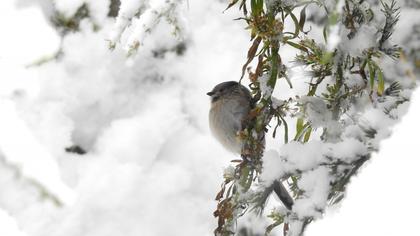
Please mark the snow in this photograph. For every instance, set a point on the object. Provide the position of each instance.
(14, 136)
(365, 38)
(98, 9)
(152, 168)
(315, 185)
(383, 198)
(131, 30)
(128, 9)
(44, 40)
(316, 111)
(9, 225)
(266, 89)
(304, 157)
(347, 149)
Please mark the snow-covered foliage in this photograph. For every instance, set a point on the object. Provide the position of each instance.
(95, 143)
(137, 18)
(352, 98)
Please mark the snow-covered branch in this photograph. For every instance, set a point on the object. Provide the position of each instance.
(138, 18)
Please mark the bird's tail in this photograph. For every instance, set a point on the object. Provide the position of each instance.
(283, 194)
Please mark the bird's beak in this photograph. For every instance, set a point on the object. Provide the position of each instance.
(210, 93)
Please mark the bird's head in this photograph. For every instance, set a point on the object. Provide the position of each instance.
(223, 90)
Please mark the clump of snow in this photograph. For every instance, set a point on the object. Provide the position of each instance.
(266, 89)
(353, 81)
(19, 148)
(315, 110)
(316, 186)
(229, 172)
(295, 156)
(365, 38)
(347, 150)
(271, 164)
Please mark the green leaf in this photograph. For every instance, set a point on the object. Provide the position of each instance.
(301, 129)
(325, 32)
(257, 7)
(371, 74)
(245, 181)
(297, 46)
(333, 18)
(274, 67)
(381, 82)
(307, 135)
(260, 5)
(299, 126)
(326, 57)
(253, 6)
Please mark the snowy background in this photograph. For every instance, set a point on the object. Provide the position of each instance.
(152, 168)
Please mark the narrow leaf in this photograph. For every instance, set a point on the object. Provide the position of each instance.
(381, 82)
(302, 18)
(233, 2)
(286, 130)
(288, 82)
(251, 54)
(299, 126)
(260, 6)
(324, 33)
(296, 22)
(297, 46)
(307, 135)
(371, 74)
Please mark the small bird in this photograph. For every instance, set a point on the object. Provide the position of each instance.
(231, 103)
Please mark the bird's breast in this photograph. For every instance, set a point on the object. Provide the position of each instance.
(225, 119)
